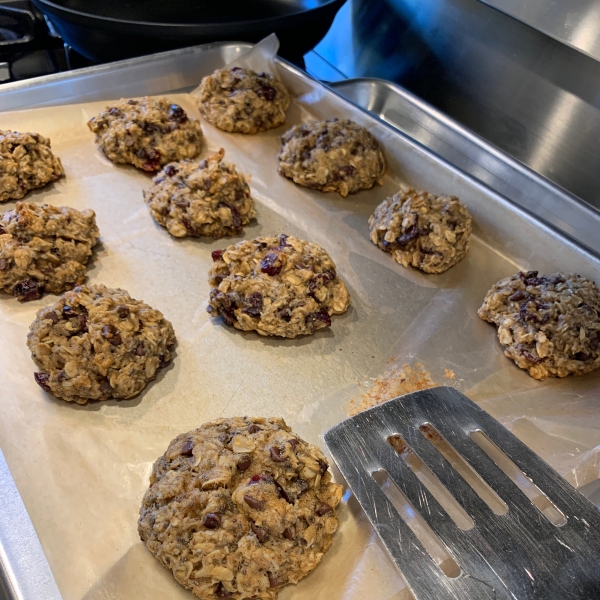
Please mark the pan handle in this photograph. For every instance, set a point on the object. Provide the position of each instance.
(26, 21)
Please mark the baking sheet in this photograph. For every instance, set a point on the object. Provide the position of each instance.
(82, 471)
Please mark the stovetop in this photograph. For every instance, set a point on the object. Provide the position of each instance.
(28, 45)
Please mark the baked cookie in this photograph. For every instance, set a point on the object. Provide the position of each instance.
(276, 286)
(550, 326)
(421, 230)
(146, 133)
(331, 156)
(96, 343)
(201, 198)
(242, 101)
(239, 508)
(44, 248)
(26, 163)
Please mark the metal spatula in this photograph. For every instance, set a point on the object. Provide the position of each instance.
(542, 547)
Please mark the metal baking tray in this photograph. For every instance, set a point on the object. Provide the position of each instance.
(499, 223)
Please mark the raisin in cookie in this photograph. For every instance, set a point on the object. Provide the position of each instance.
(239, 508)
(421, 230)
(276, 286)
(550, 326)
(26, 163)
(201, 198)
(146, 133)
(331, 156)
(44, 248)
(242, 101)
(96, 343)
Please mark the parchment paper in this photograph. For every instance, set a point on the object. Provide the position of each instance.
(82, 470)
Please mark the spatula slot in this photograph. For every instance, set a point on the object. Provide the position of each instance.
(454, 510)
(431, 542)
(532, 491)
(464, 469)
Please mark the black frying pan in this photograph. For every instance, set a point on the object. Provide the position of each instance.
(107, 30)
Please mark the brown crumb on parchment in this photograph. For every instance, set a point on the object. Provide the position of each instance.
(396, 382)
(449, 374)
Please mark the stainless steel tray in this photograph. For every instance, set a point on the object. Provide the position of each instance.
(500, 224)
(473, 155)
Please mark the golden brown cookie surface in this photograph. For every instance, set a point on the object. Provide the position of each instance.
(97, 343)
(549, 325)
(239, 508)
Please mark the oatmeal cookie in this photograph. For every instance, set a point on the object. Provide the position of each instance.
(550, 326)
(201, 198)
(331, 156)
(276, 286)
(421, 230)
(44, 248)
(26, 163)
(239, 508)
(242, 101)
(146, 133)
(96, 343)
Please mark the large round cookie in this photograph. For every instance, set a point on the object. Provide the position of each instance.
(331, 156)
(242, 101)
(239, 508)
(550, 326)
(96, 343)
(199, 198)
(276, 286)
(44, 248)
(421, 230)
(26, 163)
(146, 133)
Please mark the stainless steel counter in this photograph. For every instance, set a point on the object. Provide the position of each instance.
(573, 22)
(521, 90)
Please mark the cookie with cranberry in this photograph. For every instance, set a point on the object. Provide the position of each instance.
(280, 286)
(44, 248)
(201, 198)
(422, 230)
(26, 163)
(242, 101)
(331, 156)
(549, 325)
(239, 508)
(97, 343)
(147, 133)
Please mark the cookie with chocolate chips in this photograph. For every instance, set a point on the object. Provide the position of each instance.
(241, 101)
(422, 230)
(280, 286)
(239, 508)
(147, 133)
(97, 343)
(44, 248)
(331, 156)
(26, 163)
(549, 325)
(201, 198)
